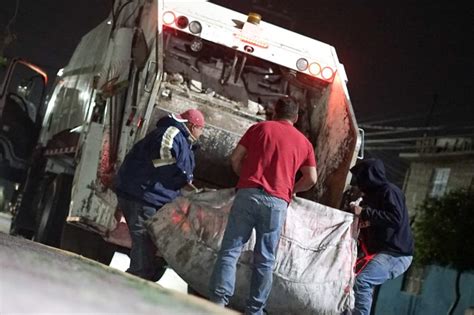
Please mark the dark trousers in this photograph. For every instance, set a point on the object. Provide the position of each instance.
(143, 262)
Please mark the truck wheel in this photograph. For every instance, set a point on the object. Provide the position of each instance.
(53, 207)
(87, 244)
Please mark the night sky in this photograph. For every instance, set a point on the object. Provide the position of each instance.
(398, 55)
(48, 30)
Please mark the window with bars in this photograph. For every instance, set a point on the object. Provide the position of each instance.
(439, 182)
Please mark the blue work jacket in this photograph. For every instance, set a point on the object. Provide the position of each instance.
(158, 166)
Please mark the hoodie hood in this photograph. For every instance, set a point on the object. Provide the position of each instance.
(369, 174)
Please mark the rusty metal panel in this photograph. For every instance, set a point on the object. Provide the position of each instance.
(226, 121)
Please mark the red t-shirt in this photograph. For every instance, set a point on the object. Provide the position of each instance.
(275, 152)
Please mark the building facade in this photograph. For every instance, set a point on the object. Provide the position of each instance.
(438, 166)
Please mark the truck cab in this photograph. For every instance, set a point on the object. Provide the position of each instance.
(22, 94)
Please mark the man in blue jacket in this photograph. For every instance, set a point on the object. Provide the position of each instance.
(387, 235)
(151, 175)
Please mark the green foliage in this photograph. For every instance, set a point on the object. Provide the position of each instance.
(3, 61)
(444, 231)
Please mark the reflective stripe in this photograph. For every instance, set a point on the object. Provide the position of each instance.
(166, 158)
(163, 162)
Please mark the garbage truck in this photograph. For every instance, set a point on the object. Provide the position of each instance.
(152, 58)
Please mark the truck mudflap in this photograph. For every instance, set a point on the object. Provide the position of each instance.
(313, 273)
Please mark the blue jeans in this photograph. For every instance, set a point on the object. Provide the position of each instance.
(143, 262)
(252, 208)
(383, 267)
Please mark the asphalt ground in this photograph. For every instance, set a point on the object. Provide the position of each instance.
(37, 279)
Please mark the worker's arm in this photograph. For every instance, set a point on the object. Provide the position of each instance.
(308, 179)
(389, 216)
(237, 158)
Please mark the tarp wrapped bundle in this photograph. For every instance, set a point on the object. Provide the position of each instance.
(313, 273)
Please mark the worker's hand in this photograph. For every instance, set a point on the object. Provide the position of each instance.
(189, 189)
(294, 198)
(193, 188)
(189, 192)
(356, 209)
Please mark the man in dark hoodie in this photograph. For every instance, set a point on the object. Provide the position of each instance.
(387, 234)
(151, 175)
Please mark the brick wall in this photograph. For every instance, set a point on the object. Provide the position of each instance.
(419, 177)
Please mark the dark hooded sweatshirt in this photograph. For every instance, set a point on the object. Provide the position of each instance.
(385, 209)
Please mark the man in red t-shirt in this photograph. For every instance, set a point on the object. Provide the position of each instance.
(266, 159)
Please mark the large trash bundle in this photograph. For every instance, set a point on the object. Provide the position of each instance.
(314, 265)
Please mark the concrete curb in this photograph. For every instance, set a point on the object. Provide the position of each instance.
(5, 221)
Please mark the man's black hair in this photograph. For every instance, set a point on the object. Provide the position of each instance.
(286, 108)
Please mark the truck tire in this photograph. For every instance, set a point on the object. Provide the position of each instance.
(52, 201)
(87, 244)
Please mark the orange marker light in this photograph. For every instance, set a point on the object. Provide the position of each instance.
(327, 73)
(314, 68)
